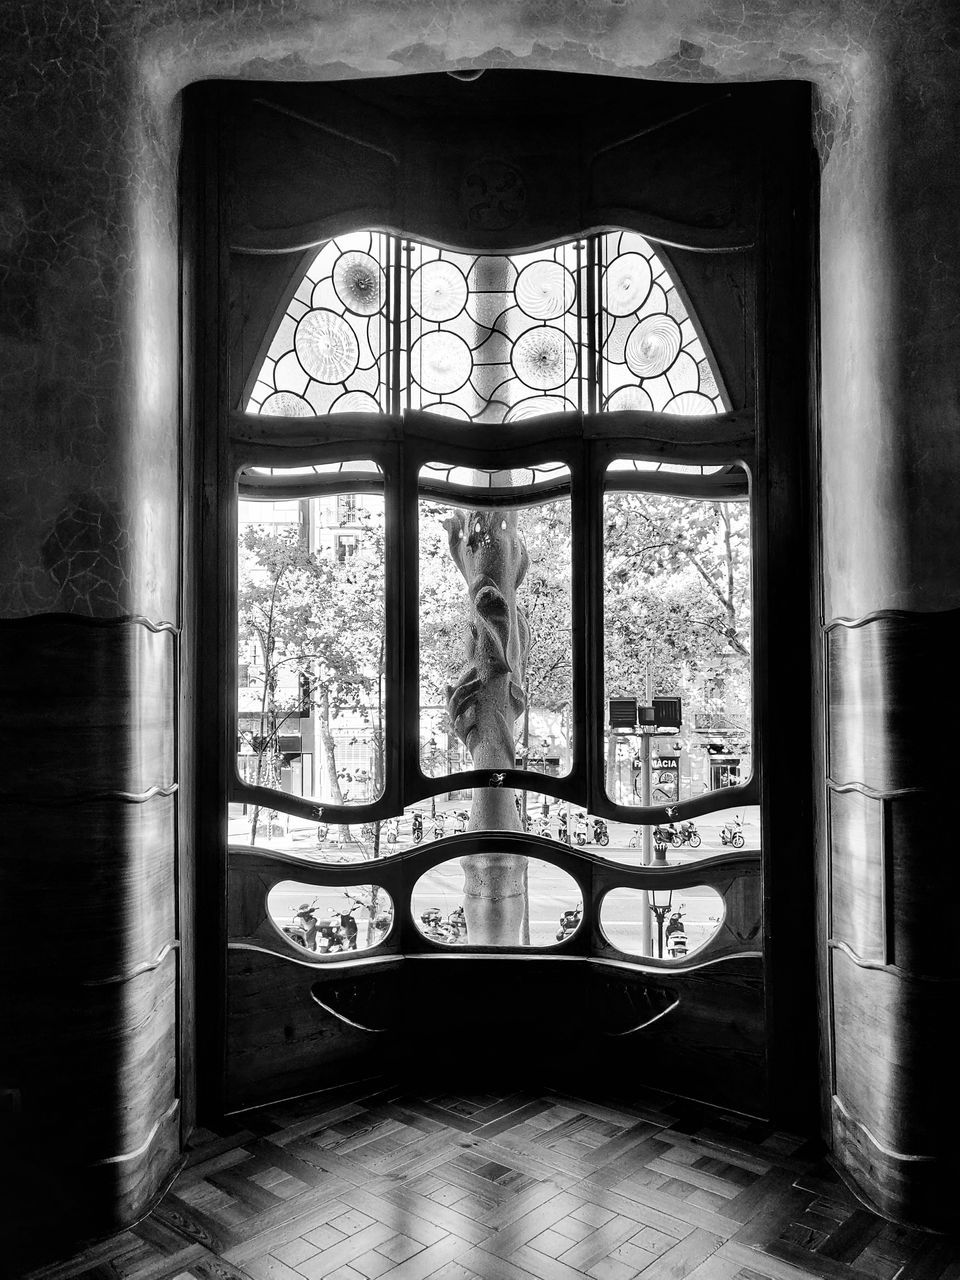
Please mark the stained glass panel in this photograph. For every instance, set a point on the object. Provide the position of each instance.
(651, 356)
(330, 353)
(494, 338)
(486, 337)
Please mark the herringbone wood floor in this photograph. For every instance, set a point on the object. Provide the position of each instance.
(520, 1187)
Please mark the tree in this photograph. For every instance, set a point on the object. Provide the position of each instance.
(677, 601)
(308, 614)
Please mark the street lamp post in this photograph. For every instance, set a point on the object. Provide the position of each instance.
(661, 901)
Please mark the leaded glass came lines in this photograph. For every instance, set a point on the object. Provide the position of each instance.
(380, 324)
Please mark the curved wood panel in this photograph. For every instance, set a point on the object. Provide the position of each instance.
(112, 1048)
(91, 708)
(891, 683)
(96, 885)
(374, 151)
(895, 1050)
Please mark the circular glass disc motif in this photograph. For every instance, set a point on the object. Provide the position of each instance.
(626, 283)
(534, 406)
(358, 280)
(355, 402)
(438, 290)
(544, 290)
(653, 346)
(326, 346)
(543, 358)
(285, 404)
(629, 398)
(448, 410)
(690, 403)
(443, 362)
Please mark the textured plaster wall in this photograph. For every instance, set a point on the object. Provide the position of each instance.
(88, 328)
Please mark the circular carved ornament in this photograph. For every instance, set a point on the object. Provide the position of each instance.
(493, 195)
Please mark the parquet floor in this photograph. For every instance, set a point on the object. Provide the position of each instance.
(390, 1186)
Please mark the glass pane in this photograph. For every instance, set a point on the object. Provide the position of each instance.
(542, 907)
(495, 637)
(677, 624)
(311, 650)
(330, 352)
(666, 925)
(331, 921)
(494, 338)
(650, 355)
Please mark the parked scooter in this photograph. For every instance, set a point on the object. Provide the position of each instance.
(570, 922)
(600, 834)
(687, 834)
(439, 825)
(393, 830)
(580, 828)
(323, 831)
(304, 927)
(676, 936)
(460, 819)
(416, 826)
(457, 924)
(543, 826)
(666, 835)
(732, 833)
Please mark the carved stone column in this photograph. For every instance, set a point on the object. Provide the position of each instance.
(484, 703)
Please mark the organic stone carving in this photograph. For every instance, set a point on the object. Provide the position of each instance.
(484, 703)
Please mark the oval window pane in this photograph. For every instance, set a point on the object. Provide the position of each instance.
(660, 924)
(494, 899)
(331, 921)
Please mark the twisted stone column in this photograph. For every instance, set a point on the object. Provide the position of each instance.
(484, 703)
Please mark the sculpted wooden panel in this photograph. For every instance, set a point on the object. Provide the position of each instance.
(925, 885)
(93, 882)
(280, 1041)
(91, 707)
(891, 680)
(894, 1073)
(112, 1047)
(857, 874)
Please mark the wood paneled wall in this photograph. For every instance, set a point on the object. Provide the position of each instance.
(298, 1021)
(893, 966)
(88, 895)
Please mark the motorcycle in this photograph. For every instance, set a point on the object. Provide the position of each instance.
(688, 834)
(439, 826)
(676, 936)
(562, 826)
(460, 819)
(732, 833)
(433, 926)
(543, 827)
(416, 826)
(600, 834)
(323, 831)
(457, 924)
(570, 922)
(666, 835)
(393, 830)
(304, 927)
(580, 828)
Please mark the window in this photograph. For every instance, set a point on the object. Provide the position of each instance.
(591, 339)
(548, 380)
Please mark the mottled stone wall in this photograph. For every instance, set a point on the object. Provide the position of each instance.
(89, 386)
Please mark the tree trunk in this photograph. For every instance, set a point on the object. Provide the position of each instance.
(329, 753)
(488, 549)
